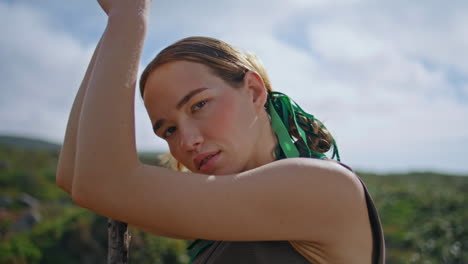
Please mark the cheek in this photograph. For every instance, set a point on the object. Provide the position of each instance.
(174, 152)
(228, 121)
(223, 115)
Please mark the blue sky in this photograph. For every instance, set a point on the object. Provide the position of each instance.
(388, 78)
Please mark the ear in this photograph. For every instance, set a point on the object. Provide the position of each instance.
(256, 88)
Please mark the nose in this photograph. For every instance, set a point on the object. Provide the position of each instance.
(190, 138)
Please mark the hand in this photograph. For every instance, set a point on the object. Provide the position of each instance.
(125, 6)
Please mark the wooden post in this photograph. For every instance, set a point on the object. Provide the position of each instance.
(118, 242)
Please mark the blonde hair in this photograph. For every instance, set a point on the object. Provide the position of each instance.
(230, 64)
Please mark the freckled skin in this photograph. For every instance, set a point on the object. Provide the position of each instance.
(231, 121)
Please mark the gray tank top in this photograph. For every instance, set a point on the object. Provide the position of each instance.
(275, 252)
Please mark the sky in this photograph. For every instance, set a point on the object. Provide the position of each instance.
(388, 78)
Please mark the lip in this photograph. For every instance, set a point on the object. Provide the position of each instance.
(209, 163)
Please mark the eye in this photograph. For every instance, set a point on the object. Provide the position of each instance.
(198, 106)
(169, 132)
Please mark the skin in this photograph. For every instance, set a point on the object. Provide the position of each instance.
(255, 199)
(231, 121)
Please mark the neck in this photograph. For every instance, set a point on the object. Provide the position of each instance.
(264, 152)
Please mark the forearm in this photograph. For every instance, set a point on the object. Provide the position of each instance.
(106, 145)
(66, 162)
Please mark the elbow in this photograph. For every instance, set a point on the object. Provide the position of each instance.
(91, 195)
(94, 187)
(81, 195)
(63, 181)
(63, 185)
(77, 198)
(88, 191)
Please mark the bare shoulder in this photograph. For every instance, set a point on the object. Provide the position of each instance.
(314, 178)
(307, 199)
(315, 168)
(342, 232)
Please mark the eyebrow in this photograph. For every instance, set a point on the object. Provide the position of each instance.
(189, 96)
(158, 124)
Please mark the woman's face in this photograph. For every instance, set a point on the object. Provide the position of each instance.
(211, 127)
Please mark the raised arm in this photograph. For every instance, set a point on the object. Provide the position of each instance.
(67, 160)
(66, 163)
(277, 201)
(106, 134)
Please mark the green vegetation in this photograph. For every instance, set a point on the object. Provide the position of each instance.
(424, 215)
(64, 233)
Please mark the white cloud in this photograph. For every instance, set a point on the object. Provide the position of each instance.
(376, 72)
(41, 73)
(45, 68)
(407, 112)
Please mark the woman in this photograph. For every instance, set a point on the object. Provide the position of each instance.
(250, 197)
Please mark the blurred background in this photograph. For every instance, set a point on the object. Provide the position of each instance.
(388, 78)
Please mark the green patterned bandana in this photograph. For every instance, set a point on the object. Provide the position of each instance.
(282, 110)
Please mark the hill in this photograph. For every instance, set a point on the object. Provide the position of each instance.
(424, 215)
(28, 143)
